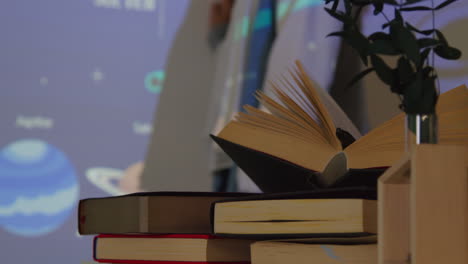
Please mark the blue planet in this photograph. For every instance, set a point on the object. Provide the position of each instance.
(38, 188)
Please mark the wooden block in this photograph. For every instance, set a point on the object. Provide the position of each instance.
(439, 205)
(393, 214)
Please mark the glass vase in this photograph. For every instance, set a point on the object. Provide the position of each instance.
(421, 129)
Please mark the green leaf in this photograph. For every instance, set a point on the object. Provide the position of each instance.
(348, 7)
(391, 2)
(359, 76)
(415, 8)
(359, 43)
(427, 42)
(444, 4)
(428, 100)
(378, 6)
(384, 26)
(336, 14)
(384, 72)
(396, 86)
(337, 34)
(441, 38)
(412, 95)
(379, 35)
(362, 2)
(428, 72)
(382, 46)
(424, 32)
(420, 96)
(405, 71)
(424, 55)
(404, 40)
(398, 17)
(448, 53)
(335, 5)
(411, 2)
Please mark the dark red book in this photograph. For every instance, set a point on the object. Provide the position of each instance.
(171, 249)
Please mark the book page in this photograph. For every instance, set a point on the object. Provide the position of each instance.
(384, 145)
(339, 117)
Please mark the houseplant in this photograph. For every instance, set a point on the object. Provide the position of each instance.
(413, 77)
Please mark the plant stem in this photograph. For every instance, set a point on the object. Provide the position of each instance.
(433, 53)
(388, 20)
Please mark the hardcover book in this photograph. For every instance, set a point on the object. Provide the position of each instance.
(181, 248)
(360, 250)
(346, 212)
(154, 212)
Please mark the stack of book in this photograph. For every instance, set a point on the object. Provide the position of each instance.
(176, 227)
(322, 226)
(159, 227)
(320, 185)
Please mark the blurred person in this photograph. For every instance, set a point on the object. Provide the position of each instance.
(234, 81)
(181, 156)
(178, 153)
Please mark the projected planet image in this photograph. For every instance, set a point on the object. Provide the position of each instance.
(38, 188)
(114, 181)
(154, 81)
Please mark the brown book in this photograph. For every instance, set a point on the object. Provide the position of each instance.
(154, 212)
(344, 212)
(362, 250)
(164, 249)
(297, 135)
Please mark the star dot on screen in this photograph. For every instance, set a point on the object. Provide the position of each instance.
(97, 75)
(43, 81)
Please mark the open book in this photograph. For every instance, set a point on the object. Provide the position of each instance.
(282, 149)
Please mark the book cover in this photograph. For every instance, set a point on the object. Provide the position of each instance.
(361, 250)
(149, 212)
(170, 249)
(269, 172)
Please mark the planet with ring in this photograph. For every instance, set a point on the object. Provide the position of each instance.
(115, 181)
